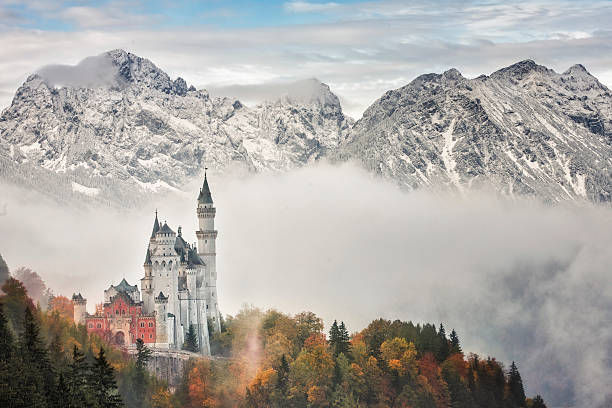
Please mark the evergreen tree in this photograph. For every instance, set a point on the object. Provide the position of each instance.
(343, 340)
(8, 365)
(454, 340)
(79, 390)
(38, 378)
(191, 340)
(6, 338)
(104, 386)
(4, 271)
(339, 339)
(515, 387)
(282, 379)
(443, 349)
(536, 402)
(459, 392)
(141, 382)
(334, 338)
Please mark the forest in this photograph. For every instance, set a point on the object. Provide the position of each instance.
(260, 359)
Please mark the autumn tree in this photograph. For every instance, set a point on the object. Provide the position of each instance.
(312, 370)
(63, 306)
(37, 289)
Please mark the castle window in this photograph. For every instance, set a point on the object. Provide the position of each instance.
(206, 307)
(91, 325)
(141, 324)
(117, 311)
(150, 336)
(142, 336)
(99, 326)
(150, 324)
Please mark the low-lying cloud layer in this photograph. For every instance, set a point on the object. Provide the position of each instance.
(518, 280)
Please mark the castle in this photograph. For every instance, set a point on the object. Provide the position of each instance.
(179, 289)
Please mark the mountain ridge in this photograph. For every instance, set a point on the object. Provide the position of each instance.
(118, 121)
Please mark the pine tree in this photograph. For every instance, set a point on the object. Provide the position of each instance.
(515, 387)
(191, 340)
(4, 271)
(343, 340)
(443, 346)
(140, 378)
(104, 386)
(537, 402)
(334, 338)
(38, 379)
(282, 376)
(9, 365)
(454, 340)
(79, 373)
(6, 338)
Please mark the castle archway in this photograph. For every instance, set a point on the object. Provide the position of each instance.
(119, 338)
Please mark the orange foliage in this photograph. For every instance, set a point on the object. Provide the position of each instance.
(430, 378)
(200, 392)
(161, 399)
(317, 397)
(63, 306)
(261, 387)
(459, 364)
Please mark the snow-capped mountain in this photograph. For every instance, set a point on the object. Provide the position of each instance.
(525, 130)
(116, 126)
(117, 119)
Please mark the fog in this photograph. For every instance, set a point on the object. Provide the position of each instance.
(518, 280)
(92, 72)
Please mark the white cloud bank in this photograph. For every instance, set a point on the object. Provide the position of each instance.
(518, 280)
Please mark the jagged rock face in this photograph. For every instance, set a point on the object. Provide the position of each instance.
(524, 130)
(125, 127)
(142, 127)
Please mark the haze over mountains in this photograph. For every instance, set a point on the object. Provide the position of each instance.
(116, 126)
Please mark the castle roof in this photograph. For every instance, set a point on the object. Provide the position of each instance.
(155, 226)
(165, 229)
(205, 197)
(125, 287)
(76, 297)
(193, 258)
(148, 257)
(180, 246)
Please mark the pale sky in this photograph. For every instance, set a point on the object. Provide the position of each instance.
(361, 49)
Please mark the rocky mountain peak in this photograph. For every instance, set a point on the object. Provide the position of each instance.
(452, 74)
(520, 70)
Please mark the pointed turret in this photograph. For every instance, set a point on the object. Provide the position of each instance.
(155, 226)
(205, 197)
(148, 257)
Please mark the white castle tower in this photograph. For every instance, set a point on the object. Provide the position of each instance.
(180, 280)
(207, 236)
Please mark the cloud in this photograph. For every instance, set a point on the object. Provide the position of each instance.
(92, 72)
(308, 7)
(519, 280)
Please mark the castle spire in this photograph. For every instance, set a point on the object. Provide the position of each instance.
(155, 225)
(205, 197)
